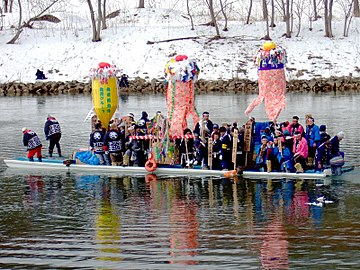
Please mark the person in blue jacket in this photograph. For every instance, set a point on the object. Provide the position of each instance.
(312, 136)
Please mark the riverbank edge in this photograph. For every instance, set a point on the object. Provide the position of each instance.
(202, 86)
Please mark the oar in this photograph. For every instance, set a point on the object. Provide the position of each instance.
(351, 166)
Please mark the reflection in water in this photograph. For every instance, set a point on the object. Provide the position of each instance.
(107, 218)
(274, 249)
(183, 232)
(177, 221)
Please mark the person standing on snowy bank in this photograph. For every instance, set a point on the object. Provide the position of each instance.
(32, 143)
(52, 132)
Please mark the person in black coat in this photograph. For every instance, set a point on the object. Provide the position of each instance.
(52, 132)
(32, 143)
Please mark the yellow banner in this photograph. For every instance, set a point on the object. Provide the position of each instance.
(105, 99)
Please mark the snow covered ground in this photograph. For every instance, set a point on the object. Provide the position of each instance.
(65, 51)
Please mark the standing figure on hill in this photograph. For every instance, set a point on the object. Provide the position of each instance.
(124, 81)
(32, 143)
(40, 75)
(52, 132)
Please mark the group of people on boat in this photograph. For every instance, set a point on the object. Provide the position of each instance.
(267, 146)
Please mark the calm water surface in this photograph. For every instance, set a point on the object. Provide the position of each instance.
(59, 220)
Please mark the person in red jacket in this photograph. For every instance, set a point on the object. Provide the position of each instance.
(32, 143)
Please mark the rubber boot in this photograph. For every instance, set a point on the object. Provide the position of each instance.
(60, 154)
(40, 159)
(126, 160)
(310, 161)
(31, 159)
(268, 166)
(299, 168)
(50, 153)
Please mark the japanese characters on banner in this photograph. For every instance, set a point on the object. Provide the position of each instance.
(180, 75)
(270, 61)
(104, 91)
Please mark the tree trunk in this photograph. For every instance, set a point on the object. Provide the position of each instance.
(249, 12)
(98, 38)
(141, 3)
(27, 24)
(11, 6)
(224, 14)
(316, 16)
(266, 18)
(103, 17)
(356, 8)
(213, 19)
(20, 28)
(93, 21)
(328, 17)
(287, 19)
(191, 18)
(272, 23)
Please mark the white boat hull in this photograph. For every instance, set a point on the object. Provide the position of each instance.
(120, 170)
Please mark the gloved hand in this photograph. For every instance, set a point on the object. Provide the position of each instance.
(106, 152)
(220, 157)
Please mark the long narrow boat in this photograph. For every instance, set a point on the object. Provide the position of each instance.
(64, 165)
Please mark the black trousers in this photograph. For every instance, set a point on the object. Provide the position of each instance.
(54, 141)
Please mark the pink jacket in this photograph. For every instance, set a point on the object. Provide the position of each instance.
(301, 149)
(300, 128)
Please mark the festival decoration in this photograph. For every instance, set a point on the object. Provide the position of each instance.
(104, 91)
(180, 75)
(270, 61)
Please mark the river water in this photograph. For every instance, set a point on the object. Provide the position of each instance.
(58, 220)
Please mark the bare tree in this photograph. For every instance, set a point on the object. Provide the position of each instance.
(347, 7)
(299, 10)
(249, 12)
(95, 25)
(213, 18)
(287, 19)
(328, 5)
(191, 18)
(272, 23)
(103, 17)
(141, 4)
(40, 17)
(356, 8)
(224, 14)
(316, 16)
(266, 19)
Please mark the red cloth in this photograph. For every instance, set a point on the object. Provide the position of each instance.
(272, 90)
(31, 153)
(180, 105)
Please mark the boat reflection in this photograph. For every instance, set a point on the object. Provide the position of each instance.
(266, 211)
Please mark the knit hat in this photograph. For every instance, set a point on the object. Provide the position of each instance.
(341, 134)
(322, 128)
